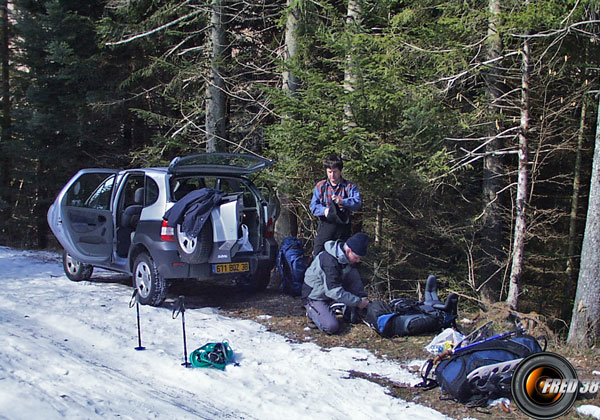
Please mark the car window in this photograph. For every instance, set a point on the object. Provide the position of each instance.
(235, 185)
(132, 183)
(219, 164)
(181, 186)
(91, 190)
(270, 196)
(151, 191)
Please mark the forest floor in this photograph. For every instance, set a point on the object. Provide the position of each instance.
(285, 315)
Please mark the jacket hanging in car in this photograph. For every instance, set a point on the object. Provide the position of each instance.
(193, 210)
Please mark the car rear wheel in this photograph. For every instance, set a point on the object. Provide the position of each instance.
(151, 286)
(75, 270)
(194, 250)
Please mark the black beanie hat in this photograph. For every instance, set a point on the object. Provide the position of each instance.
(358, 243)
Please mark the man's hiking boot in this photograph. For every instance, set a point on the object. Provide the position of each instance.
(338, 309)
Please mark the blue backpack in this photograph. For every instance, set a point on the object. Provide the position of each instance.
(291, 266)
(481, 371)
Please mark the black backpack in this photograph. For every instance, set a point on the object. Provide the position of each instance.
(483, 370)
(406, 316)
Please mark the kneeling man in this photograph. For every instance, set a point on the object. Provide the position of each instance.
(331, 277)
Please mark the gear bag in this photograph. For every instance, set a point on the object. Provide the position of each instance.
(291, 265)
(406, 316)
(214, 355)
(482, 370)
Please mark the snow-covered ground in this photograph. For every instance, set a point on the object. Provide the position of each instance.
(67, 351)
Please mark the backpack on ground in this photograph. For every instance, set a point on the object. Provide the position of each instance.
(482, 371)
(406, 316)
(291, 265)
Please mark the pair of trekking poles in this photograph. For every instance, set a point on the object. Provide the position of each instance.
(179, 308)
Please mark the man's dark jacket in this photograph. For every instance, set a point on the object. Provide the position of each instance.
(193, 210)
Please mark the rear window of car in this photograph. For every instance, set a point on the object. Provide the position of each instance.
(181, 186)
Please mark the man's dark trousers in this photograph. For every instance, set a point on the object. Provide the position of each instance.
(328, 231)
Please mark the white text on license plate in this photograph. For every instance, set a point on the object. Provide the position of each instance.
(231, 268)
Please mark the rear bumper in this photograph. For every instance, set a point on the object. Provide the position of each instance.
(170, 266)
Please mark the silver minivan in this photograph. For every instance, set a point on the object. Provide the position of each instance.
(113, 219)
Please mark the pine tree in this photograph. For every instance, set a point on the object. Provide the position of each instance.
(5, 118)
(53, 124)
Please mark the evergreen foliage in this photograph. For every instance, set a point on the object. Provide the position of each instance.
(123, 83)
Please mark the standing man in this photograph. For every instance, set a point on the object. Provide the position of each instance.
(334, 200)
(331, 278)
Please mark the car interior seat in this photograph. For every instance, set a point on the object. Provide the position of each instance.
(131, 215)
(129, 221)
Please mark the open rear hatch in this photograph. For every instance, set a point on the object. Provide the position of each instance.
(219, 164)
(236, 221)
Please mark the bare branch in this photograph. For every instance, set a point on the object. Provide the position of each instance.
(155, 30)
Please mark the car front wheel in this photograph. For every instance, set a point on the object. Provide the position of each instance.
(75, 270)
(151, 286)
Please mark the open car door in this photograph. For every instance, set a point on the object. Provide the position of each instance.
(81, 216)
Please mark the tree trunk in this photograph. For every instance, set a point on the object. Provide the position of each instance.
(353, 21)
(5, 119)
(216, 99)
(287, 223)
(585, 322)
(290, 81)
(379, 221)
(492, 238)
(572, 241)
(521, 201)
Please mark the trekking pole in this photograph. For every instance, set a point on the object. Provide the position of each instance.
(134, 297)
(492, 338)
(180, 308)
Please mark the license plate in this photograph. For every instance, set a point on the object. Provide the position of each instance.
(231, 268)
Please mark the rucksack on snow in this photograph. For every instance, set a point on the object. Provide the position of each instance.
(291, 265)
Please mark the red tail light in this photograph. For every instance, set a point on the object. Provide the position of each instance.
(167, 233)
(270, 229)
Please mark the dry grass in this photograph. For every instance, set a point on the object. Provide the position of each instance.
(287, 317)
